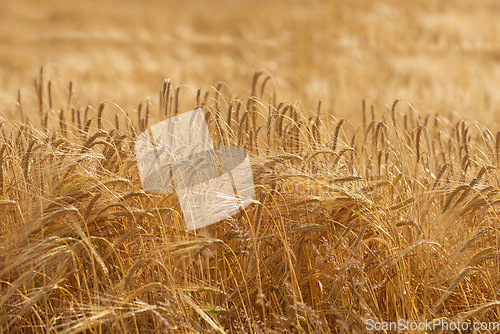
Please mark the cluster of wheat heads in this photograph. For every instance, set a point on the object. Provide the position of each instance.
(392, 219)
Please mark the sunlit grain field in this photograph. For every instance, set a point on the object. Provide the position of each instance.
(371, 131)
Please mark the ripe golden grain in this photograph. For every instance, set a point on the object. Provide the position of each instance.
(336, 226)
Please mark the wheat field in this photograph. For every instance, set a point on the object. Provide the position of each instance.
(372, 137)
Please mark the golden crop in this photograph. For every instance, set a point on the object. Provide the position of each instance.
(366, 207)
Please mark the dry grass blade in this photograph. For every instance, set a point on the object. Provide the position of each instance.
(417, 142)
(202, 313)
(336, 134)
(450, 288)
(470, 314)
(393, 113)
(99, 116)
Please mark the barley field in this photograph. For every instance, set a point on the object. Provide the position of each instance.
(373, 140)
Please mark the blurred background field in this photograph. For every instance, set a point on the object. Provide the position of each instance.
(440, 56)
